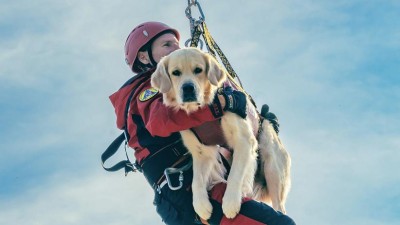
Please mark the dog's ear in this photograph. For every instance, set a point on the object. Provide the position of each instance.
(215, 72)
(160, 78)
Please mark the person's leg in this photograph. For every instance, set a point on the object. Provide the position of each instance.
(251, 212)
(175, 207)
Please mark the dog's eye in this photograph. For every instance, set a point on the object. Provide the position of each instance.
(176, 73)
(197, 70)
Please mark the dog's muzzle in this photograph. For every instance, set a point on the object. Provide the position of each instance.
(188, 92)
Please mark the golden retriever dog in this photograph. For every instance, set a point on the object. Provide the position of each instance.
(189, 80)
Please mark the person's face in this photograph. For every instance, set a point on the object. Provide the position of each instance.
(164, 45)
(161, 47)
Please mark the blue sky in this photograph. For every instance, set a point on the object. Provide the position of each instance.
(328, 69)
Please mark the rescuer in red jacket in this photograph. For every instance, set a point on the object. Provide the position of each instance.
(152, 130)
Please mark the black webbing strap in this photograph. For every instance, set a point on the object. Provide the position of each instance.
(124, 137)
(214, 49)
(111, 150)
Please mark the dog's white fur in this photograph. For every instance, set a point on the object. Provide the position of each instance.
(272, 180)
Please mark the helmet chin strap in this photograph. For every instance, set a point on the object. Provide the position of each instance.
(153, 62)
(141, 66)
(144, 67)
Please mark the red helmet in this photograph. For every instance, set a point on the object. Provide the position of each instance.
(140, 36)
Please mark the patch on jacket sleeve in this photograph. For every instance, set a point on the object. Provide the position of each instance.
(147, 94)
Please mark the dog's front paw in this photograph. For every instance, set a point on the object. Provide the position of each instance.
(231, 204)
(203, 207)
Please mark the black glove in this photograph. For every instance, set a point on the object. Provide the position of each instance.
(270, 117)
(236, 101)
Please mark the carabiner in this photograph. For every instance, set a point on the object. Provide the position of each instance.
(188, 12)
(169, 171)
(193, 22)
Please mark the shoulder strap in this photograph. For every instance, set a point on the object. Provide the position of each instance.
(110, 151)
(116, 144)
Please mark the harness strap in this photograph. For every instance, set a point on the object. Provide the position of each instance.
(111, 150)
(194, 41)
(213, 49)
(124, 137)
(154, 165)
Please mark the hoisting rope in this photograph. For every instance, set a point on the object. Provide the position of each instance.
(199, 28)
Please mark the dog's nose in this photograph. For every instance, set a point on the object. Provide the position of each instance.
(188, 92)
(188, 88)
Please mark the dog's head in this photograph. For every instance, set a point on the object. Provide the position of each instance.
(188, 78)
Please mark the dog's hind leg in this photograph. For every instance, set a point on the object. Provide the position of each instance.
(240, 138)
(276, 162)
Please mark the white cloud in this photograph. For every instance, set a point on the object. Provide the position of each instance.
(99, 198)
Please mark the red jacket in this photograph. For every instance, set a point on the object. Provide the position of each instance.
(151, 125)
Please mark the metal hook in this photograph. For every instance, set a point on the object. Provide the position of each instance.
(188, 42)
(188, 12)
(169, 171)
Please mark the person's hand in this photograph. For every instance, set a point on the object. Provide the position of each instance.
(271, 117)
(235, 101)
